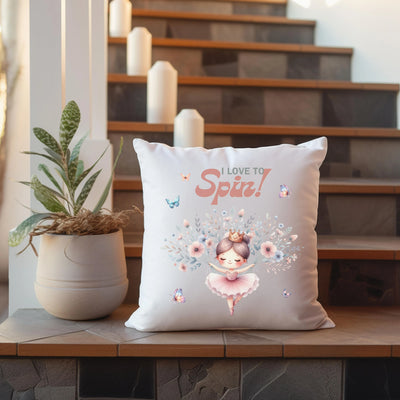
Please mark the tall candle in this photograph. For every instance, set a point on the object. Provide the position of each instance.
(138, 51)
(120, 18)
(162, 93)
(189, 129)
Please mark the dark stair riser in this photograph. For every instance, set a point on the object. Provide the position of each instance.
(341, 282)
(347, 157)
(338, 214)
(359, 214)
(271, 106)
(213, 6)
(242, 63)
(225, 31)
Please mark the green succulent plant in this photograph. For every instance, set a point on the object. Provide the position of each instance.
(71, 182)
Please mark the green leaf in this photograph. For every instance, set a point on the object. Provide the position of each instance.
(79, 169)
(52, 191)
(87, 172)
(44, 168)
(70, 119)
(46, 196)
(57, 157)
(17, 234)
(63, 176)
(85, 191)
(76, 150)
(47, 140)
(103, 197)
(67, 156)
(72, 171)
(50, 158)
(25, 183)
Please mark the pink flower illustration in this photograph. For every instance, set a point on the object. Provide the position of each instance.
(196, 249)
(268, 249)
(209, 243)
(241, 212)
(183, 267)
(186, 223)
(293, 237)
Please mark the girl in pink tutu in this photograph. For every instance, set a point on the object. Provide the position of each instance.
(232, 252)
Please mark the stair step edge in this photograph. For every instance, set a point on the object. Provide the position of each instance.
(332, 247)
(327, 185)
(258, 19)
(247, 46)
(257, 82)
(240, 129)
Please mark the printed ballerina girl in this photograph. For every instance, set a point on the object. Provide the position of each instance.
(232, 252)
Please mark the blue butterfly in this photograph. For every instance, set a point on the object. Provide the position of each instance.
(173, 203)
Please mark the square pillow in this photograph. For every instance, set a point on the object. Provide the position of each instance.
(229, 240)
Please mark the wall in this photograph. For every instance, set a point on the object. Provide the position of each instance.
(370, 27)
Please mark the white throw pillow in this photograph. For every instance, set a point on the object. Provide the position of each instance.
(229, 239)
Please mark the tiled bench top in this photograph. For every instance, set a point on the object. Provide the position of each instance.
(359, 332)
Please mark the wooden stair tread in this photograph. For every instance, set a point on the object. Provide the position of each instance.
(240, 129)
(258, 19)
(282, 2)
(330, 247)
(253, 46)
(327, 185)
(256, 82)
(368, 331)
(359, 186)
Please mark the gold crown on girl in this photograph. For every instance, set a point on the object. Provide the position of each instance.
(236, 237)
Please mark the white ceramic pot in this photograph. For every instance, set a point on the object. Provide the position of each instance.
(81, 277)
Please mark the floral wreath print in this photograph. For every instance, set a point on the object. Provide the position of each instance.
(232, 238)
(271, 243)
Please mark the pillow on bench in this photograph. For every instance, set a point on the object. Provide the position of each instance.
(229, 239)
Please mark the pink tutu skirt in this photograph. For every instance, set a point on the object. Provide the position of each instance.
(241, 286)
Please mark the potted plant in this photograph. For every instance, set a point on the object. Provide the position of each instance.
(81, 272)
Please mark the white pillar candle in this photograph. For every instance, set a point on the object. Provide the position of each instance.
(138, 51)
(162, 93)
(120, 18)
(189, 129)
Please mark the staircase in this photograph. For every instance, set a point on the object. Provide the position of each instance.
(257, 79)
